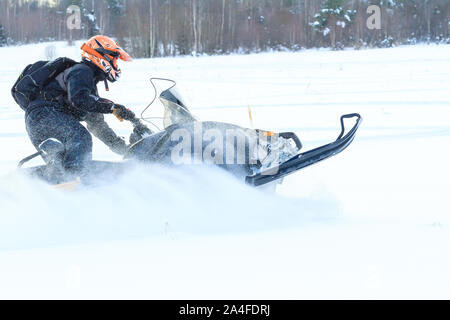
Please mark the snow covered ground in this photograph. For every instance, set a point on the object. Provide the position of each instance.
(372, 222)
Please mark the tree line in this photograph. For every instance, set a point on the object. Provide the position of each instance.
(149, 28)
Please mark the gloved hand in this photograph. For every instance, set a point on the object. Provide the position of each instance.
(119, 146)
(122, 113)
(140, 131)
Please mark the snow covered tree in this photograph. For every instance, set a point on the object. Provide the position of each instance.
(332, 19)
(115, 6)
(168, 27)
(91, 23)
(113, 13)
(3, 38)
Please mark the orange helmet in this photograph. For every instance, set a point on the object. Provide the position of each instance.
(104, 53)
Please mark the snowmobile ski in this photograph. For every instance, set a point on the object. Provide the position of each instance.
(305, 159)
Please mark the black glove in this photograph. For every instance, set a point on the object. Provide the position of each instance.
(142, 130)
(119, 146)
(139, 132)
(122, 113)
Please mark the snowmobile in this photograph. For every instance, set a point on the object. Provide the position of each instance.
(255, 156)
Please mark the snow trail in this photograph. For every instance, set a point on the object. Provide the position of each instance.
(148, 201)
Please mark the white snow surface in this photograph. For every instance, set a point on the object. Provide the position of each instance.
(372, 222)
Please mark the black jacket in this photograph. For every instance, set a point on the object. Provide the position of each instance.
(74, 91)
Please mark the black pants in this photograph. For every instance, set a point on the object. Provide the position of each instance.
(44, 122)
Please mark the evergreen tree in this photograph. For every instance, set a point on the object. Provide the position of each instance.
(3, 38)
(115, 8)
(92, 28)
(332, 18)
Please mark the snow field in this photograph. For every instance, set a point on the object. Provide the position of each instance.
(372, 222)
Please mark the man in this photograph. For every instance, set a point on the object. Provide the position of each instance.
(58, 95)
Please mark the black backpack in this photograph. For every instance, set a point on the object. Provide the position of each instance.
(35, 77)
